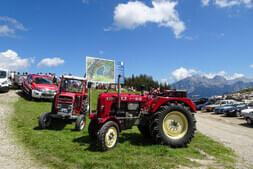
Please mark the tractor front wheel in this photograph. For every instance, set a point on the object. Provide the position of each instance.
(108, 136)
(45, 120)
(93, 129)
(174, 125)
(80, 122)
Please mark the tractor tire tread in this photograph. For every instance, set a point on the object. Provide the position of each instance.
(156, 129)
(101, 135)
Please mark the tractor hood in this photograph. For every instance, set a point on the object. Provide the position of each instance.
(123, 97)
(67, 96)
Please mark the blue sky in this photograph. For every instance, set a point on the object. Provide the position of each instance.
(169, 40)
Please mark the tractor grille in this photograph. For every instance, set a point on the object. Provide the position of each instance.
(65, 105)
(65, 98)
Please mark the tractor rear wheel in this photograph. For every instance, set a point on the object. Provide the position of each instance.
(80, 122)
(45, 120)
(108, 136)
(93, 129)
(173, 125)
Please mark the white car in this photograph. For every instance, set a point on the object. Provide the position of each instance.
(248, 115)
(4, 81)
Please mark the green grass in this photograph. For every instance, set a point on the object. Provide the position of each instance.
(70, 149)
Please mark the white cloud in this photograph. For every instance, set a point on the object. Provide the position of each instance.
(9, 26)
(134, 14)
(251, 66)
(101, 52)
(205, 2)
(183, 73)
(224, 74)
(164, 81)
(85, 1)
(10, 60)
(50, 62)
(228, 3)
(6, 31)
(212, 75)
(235, 76)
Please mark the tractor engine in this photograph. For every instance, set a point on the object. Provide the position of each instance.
(129, 112)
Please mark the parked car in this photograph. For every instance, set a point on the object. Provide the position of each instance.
(200, 101)
(219, 103)
(18, 80)
(247, 110)
(233, 110)
(201, 106)
(249, 117)
(4, 84)
(39, 86)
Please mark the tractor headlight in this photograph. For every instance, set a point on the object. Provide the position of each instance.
(58, 105)
(102, 108)
(70, 107)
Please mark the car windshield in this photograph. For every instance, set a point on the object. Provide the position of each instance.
(40, 80)
(72, 85)
(240, 105)
(2, 74)
(218, 102)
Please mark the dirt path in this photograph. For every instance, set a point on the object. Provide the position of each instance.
(12, 156)
(231, 131)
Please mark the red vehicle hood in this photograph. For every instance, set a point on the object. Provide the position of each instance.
(64, 95)
(44, 86)
(68, 94)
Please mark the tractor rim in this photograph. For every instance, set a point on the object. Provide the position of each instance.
(175, 125)
(81, 124)
(111, 137)
(47, 120)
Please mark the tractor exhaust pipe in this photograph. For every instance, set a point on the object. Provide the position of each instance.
(119, 93)
(90, 97)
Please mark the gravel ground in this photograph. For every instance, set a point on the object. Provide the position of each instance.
(12, 156)
(232, 131)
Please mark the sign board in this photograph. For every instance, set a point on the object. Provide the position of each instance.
(100, 70)
(120, 71)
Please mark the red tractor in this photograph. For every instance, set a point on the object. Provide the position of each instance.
(167, 118)
(70, 104)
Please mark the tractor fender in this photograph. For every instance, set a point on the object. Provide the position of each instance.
(111, 118)
(93, 116)
(161, 101)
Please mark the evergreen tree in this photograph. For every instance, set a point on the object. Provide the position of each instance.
(146, 81)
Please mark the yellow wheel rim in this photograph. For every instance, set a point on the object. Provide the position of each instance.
(175, 125)
(111, 137)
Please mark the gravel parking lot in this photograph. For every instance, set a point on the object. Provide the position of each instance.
(232, 131)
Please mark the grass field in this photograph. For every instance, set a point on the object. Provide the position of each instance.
(70, 149)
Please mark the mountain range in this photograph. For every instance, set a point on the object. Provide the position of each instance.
(206, 87)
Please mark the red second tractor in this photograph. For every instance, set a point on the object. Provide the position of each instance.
(70, 104)
(167, 118)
